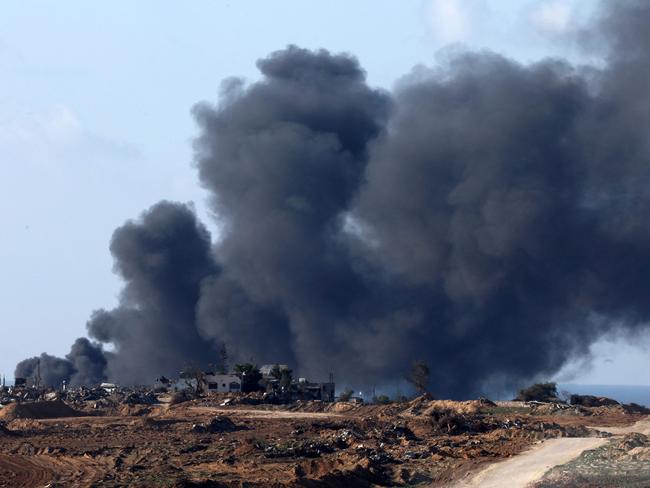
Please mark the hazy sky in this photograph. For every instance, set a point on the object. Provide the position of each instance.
(95, 124)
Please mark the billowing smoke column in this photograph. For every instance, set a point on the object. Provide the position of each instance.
(285, 159)
(163, 260)
(488, 217)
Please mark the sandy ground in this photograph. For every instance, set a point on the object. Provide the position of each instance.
(531, 465)
(528, 467)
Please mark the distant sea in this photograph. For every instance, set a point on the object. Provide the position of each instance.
(622, 393)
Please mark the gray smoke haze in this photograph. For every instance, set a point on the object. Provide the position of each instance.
(488, 217)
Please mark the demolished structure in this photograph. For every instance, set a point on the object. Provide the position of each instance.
(276, 383)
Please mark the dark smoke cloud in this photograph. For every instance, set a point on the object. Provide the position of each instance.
(284, 159)
(488, 217)
(88, 361)
(163, 259)
(52, 370)
(83, 365)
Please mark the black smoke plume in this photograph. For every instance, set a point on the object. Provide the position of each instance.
(46, 369)
(84, 365)
(163, 258)
(488, 217)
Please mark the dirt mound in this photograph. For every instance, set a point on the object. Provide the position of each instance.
(133, 410)
(220, 423)
(470, 407)
(625, 409)
(38, 410)
(340, 407)
(635, 408)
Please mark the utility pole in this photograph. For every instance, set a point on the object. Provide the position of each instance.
(38, 374)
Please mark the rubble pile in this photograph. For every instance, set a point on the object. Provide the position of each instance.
(295, 449)
(218, 424)
(140, 398)
(556, 408)
(130, 435)
(15, 395)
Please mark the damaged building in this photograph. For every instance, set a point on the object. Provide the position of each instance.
(276, 382)
(206, 381)
(279, 382)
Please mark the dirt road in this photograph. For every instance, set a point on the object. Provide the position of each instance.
(522, 470)
(262, 414)
(531, 465)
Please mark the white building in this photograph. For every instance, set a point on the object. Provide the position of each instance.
(223, 382)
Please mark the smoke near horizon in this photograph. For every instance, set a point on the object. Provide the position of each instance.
(486, 216)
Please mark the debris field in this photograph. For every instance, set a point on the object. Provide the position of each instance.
(139, 438)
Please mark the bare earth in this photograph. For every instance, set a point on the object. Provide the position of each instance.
(200, 443)
(530, 466)
(522, 470)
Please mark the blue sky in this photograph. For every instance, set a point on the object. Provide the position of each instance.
(95, 124)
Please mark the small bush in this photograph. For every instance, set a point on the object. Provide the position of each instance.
(345, 395)
(448, 421)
